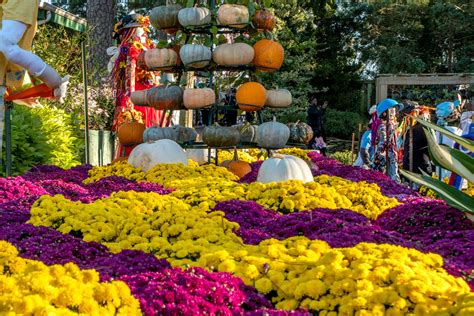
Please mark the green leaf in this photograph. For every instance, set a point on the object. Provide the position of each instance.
(222, 39)
(190, 4)
(162, 44)
(251, 7)
(450, 158)
(453, 197)
(267, 3)
(214, 30)
(469, 144)
(208, 41)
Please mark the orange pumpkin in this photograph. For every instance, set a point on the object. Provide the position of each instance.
(238, 167)
(131, 133)
(251, 96)
(264, 20)
(269, 55)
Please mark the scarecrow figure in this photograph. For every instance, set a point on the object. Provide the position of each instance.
(17, 31)
(127, 76)
(386, 149)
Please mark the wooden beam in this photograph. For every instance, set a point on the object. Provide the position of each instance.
(422, 80)
(384, 80)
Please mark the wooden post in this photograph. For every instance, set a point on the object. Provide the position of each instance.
(359, 136)
(352, 148)
(387, 122)
(410, 121)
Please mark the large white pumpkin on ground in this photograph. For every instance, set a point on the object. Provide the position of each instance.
(283, 168)
(147, 155)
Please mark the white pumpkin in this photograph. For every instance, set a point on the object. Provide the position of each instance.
(147, 155)
(280, 98)
(283, 168)
(196, 56)
(201, 156)
(194, 16)
(233, 54)
(272, 134)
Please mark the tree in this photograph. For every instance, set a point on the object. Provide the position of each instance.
(101, 20)
(413, 36)
(319, 57)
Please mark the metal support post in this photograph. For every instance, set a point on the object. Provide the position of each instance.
(86, 102)
(8, 137)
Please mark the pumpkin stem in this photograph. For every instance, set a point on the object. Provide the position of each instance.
(274, 119)
(279, 156)
(236, 156)
(297, 122)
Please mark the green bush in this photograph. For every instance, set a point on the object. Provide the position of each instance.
(343, 156)
(342, 124)
(43, 136)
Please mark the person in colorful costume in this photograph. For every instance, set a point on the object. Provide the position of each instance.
(386, 155)
(17, 31)
(127, 76)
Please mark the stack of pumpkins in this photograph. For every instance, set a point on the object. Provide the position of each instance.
(266, 55)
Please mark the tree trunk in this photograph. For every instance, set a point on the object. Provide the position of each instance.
(100, 19)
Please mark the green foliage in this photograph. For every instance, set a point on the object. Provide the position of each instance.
(341, 124)
(43, 136)
(413, 36)
(451, 195)
(451, 159)
(343, 156)
(318, 60)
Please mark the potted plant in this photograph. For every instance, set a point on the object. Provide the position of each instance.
(101, 139)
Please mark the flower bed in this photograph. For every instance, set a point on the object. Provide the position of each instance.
(196, 240)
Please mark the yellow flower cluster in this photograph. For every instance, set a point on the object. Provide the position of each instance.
(325, 192)
(206, 185)
(367, 278)
(163, 225)
(169, 175)
(163, 174)
(32, 288)
(366, 198)
(122, 169)
(298, 152)
(205, 193)
(229, 155)
(257, 154)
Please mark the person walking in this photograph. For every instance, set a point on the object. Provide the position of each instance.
(421, 156)
(366, 151)
(315, 120)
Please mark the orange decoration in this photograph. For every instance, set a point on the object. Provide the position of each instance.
(269, 55)
(238, 167)
(131, 133)
(264, 20)
(251, 96)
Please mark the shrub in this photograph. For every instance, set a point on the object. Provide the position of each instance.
(341, 124)
(343, 156)
(43, 136)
